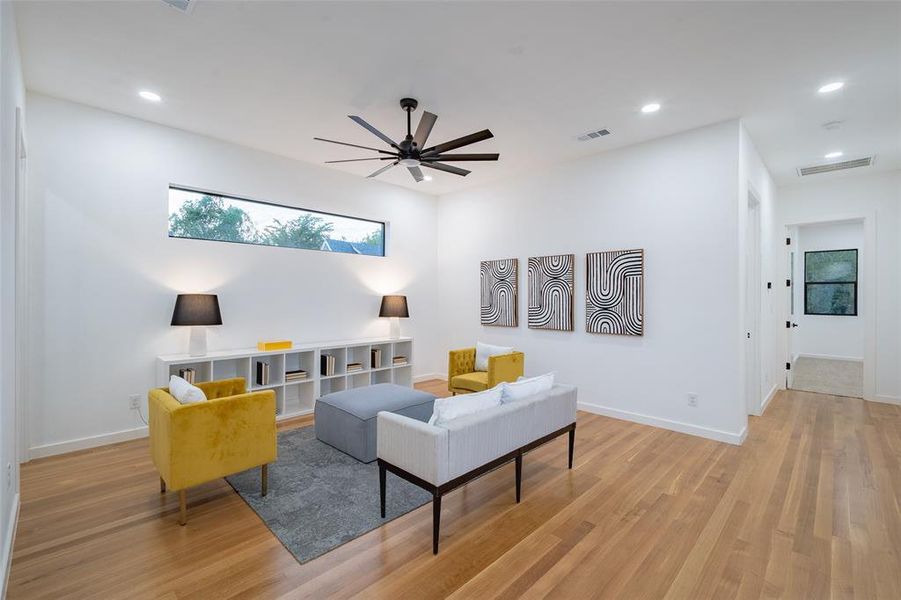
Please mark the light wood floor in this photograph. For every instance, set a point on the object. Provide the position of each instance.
(808, 507)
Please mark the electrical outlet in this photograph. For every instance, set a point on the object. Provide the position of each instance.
(692, 399)
(134, 401)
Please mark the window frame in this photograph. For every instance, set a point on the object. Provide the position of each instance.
(196, 190)
(853, 283)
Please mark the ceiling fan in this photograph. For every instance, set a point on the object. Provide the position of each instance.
(411, 153)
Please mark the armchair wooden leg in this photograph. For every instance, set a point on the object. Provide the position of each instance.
(436, 521)
(264, 476)
(182, 507)
(382, 474)
(162, 486)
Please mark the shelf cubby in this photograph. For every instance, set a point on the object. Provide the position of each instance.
(386, 355)
(226, 368)
(359, 354)
(358, 380)
(380, 376)
(403, 349)
(300, 398)
(340, 355)
(403, 375)
(330, 385)
(202, 370)
(276, 364)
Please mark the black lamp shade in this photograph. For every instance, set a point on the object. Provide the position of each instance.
(394, 306)
(196, 309)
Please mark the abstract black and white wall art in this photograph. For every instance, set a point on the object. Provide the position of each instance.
(614, 298)
(499, 285)
(551, 292)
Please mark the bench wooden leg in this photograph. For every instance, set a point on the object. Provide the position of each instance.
(436, 521)
(518, 476)
(572, 445)
(264, 479)
(182, 507)
(382, 474)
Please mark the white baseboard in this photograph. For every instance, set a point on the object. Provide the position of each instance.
(831, 357)
(887, 399)
(87, 442)
(766, 401)
(704, 432)
(429, 376)
(8, 544)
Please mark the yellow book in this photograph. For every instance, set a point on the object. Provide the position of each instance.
(276, 345)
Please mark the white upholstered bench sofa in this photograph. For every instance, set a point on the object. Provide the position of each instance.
(442, 458)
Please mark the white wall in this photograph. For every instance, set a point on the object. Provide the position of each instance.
(676, 198)
(12, 96)
(876, 198)
(105, 274)
(826, 336)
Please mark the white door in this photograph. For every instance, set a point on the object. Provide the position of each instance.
(793, 288)
(752, 309)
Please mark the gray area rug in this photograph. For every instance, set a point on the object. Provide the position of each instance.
(320, 498)
(828, 376)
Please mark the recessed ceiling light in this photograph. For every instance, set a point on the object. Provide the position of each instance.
(831, 87)
(835, 154)
(649, 108)
(427, 177)
(151, 96)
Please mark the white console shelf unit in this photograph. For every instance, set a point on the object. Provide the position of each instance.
(295, 398)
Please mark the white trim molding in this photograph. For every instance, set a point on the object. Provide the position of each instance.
(770, 396)
(887, 399)
(88, 442)
(8, 544)
(705, 432)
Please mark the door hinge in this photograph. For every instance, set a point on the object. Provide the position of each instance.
(788, 283)
(788, 366)
(769, 285)
(788, 324)
(788, 241)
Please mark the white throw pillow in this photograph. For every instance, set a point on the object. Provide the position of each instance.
(483, 351)
(525, 387)
(448, 409)
(184, 392)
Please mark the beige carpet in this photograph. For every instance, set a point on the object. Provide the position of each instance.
(827, 376)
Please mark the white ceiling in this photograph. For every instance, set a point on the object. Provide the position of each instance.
(273, 75)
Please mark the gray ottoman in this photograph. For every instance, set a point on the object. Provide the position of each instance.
(346, 420)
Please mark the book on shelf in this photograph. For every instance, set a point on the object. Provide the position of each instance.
(187, 374)
(295, 375)
(376, 355)
(262, 373)
(327, 365)
(399, 361)
(354, 367)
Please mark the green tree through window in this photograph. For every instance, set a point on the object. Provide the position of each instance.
(208, 218)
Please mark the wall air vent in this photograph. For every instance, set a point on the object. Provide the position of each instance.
(184, 6)
(591, 135)
(836, 166)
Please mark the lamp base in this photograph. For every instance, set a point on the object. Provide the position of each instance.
(395, 328)
(197, 343)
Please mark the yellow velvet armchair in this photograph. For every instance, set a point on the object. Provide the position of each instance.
(462, 377)
(194, 443)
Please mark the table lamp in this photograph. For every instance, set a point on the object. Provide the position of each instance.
(394, 307)
(197, 311)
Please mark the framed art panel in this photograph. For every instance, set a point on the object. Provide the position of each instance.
(499, 282)
(551, 292)
(614, 294)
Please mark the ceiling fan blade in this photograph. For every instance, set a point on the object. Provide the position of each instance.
(359, 159)
(447, 168)
(373, 130)
(453, 157)
(416, 172)
(472, 138)
(382, 170)
(352, 145)
(426, 122)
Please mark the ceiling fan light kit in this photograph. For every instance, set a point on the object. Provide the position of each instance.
(411, 151)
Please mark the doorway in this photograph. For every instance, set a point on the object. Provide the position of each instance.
(826, 324)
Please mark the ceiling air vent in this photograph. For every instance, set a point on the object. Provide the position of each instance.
(591, 135)
(184, 6)
(836, 166)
